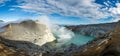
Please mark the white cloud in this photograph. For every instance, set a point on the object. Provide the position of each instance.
(87, 9)
(115, 10)
(79, 8)
(43, 19)
(11, 9)
(2, 2)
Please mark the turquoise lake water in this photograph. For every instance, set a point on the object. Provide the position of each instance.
(80, 39)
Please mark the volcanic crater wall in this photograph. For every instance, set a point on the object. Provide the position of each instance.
(95, 30)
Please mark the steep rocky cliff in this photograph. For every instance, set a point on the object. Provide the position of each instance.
(95, 30)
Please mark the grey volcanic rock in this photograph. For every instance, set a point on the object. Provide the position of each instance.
(28, 31)
(95, 30)
(29, 35)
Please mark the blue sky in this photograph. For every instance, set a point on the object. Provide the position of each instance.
(72, 12)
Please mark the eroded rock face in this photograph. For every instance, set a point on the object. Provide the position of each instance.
(30, 36)
(95, 30)
(8, 51)
(28, 31)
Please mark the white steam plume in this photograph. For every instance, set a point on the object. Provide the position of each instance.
(62, 34)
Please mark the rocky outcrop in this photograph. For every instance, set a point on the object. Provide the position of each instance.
(28, 31)
(30, 36)
(95, 30)
(7, 51)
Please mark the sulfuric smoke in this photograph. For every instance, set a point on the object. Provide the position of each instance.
(62, 34)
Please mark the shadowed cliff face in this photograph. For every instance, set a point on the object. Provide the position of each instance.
(114, 47)
(95, 30)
